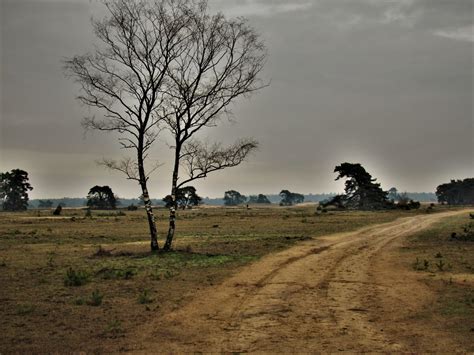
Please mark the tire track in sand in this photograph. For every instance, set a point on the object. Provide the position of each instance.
(320, 295)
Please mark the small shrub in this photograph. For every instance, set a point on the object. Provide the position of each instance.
(440, 265)
(144, 297)
(438, 255)
(76, 278)
(426, 264)
(57, 211)
(88, 213)
(419, 266)
(466, 236)
(114, 329)
(95, 299)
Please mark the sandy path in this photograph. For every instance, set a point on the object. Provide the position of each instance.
(340, 292)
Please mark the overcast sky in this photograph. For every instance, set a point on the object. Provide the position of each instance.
(387, 83)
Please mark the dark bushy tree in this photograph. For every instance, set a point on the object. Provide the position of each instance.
(59, 208)
(14, 187)
(261, 199)
(102, 198)
(456, 192)
(185, 198)
(362, 192)
(290, 198)
(233, 198)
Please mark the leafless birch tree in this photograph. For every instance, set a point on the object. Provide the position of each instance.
(222, 61)
(124, 78)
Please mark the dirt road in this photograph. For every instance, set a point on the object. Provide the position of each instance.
(340, 292)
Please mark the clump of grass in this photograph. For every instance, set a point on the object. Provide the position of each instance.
(144, 297)
(418, 265)
(95, 299)
(24, 309)
(114, 329)
(76, 277)
(440, 265)
(467, 234)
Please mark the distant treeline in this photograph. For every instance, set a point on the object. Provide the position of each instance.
(82, 202)
(417, 196)
(124, 202)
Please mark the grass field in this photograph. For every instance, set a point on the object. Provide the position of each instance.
(75, 283)
(447, 267)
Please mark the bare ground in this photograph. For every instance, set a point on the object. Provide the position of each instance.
(344, 292)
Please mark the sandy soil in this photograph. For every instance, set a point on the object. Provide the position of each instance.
(343, 292)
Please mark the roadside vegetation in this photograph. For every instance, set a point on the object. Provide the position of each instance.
(446, 265)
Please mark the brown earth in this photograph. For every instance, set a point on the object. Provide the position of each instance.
(344, 292)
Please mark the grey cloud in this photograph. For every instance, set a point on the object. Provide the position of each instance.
(352, 80)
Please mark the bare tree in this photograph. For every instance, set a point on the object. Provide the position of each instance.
(125, 76)
(222, 61)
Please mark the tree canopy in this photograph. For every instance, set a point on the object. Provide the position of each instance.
(361, 190)
(14, 187)
(456, 192)
(290, 198)
(261, 198)
(102, 198)
(185, 198)
(233, 198)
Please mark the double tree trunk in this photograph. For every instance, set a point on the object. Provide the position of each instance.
(146, 199)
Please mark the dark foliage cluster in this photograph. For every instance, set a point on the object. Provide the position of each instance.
(362, 192)
(14, 187)
(456, 192)
(290, 198)
(186, 197)
(102, 198)
(233, 198)
(259, 199)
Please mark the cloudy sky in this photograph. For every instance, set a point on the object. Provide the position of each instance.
(387, 83)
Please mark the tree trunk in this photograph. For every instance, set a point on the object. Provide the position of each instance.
(146, 200)
(151, 219)
(172, 218)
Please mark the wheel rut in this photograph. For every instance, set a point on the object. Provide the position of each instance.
(321, 295)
